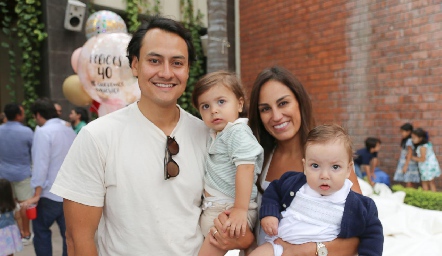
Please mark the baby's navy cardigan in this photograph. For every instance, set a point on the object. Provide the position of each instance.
(360, 218)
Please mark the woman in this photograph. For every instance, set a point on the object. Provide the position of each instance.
(280, 117)
(79, 118)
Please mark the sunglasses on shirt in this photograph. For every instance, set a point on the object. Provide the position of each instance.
(171, 168)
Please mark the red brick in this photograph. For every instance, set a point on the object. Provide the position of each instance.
(372, 80)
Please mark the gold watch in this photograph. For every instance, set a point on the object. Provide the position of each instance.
(321, 250)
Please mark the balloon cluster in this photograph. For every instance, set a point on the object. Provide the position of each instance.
(102, 69)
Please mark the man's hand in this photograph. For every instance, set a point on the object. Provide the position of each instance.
(270, 225)
(307, 249)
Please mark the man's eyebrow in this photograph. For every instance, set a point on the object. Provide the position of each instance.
(159, 55)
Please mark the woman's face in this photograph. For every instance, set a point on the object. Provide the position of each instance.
(279, 110)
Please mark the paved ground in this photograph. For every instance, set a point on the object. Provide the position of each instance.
(57, 247)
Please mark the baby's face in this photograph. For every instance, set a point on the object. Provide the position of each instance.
(326, 166)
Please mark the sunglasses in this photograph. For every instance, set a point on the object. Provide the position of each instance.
(171, 168)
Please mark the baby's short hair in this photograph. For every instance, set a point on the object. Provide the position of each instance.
(327, 133)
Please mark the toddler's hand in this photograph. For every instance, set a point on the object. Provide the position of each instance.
(237, 222)
(270, 225)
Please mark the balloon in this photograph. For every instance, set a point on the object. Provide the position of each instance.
(74, 59)
(104, 22)
(104, 70)
(73, 91)
(107, 108)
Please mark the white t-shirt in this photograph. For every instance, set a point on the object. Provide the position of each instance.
(117, 162)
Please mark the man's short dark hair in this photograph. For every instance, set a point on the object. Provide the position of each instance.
(45, 108)
(371, 142)
(12, 110)
(165, 24)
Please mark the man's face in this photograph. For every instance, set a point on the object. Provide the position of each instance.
(162, 68)
(58, 109)
(39, 120)
(21, 116)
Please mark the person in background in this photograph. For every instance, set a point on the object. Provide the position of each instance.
(10, 238)
(59, 110)
(366, 159)
(139, 183)
(3, 118)
(429, 167)
(280, 117)
(15, 160)
(407, 170)
(79, 118)
(319, 203)
(234, 157)
(51, 143)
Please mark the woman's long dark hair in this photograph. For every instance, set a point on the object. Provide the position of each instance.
(409, 128)
(285, 77)
(7, 203)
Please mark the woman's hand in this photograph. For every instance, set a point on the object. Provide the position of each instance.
(222, 240)
(30, 201)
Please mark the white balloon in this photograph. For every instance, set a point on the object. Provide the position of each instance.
(104, 70)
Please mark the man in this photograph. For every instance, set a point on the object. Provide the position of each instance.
(50, 146)
(367, 159)
(59, 110)
(137, 174)
(15, 160)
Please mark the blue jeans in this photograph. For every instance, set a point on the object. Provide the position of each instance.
(358, 172)
(48, 211)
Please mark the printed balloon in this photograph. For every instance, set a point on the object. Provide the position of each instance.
(104, 70)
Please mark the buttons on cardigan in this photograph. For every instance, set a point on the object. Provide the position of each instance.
(292, 193)
(283, 205)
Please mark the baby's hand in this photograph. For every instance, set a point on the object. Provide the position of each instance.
(237, 222)
(270, 225)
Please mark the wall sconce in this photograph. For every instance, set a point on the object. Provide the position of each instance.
(74, 16)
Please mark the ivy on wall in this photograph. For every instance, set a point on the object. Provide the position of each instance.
(9, 31)
(193, 23)
(134, 8)
(29, 29)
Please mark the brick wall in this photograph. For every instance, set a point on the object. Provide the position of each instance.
(368, 65)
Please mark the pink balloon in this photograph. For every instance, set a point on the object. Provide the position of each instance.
(74, 59)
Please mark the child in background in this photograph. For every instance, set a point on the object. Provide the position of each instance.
(318, 205)
(10, 237)
(428, 165)
(367, 159)
(407, 170)
(234, 157)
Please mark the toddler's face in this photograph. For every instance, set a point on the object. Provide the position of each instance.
(326, 166)
(219, 106)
